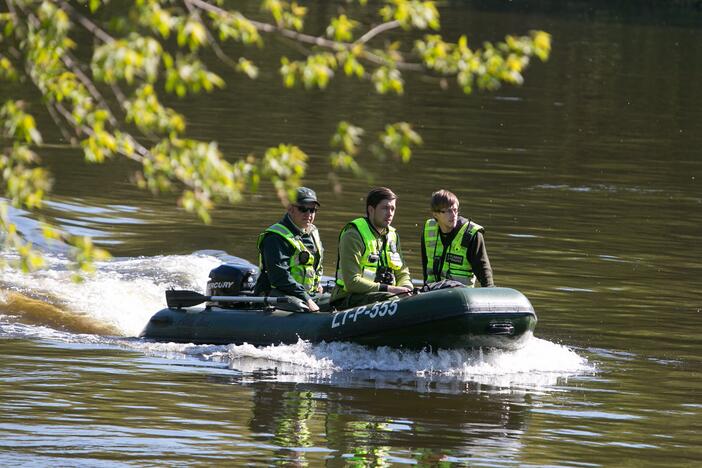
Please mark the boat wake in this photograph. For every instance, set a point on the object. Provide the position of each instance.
(112, 307)
(539, 364)
(118, 299)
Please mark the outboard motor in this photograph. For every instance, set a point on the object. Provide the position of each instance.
(232, 280)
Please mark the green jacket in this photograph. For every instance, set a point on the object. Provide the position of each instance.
(476, 252)
(277, 256)
(450, 262)
(350, 259)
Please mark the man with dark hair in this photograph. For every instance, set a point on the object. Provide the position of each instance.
(370, 267)
(453, 247)
(290, 255)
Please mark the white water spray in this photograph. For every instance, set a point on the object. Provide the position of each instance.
(126, 292)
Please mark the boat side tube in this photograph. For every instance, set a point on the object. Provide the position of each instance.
(447, 318)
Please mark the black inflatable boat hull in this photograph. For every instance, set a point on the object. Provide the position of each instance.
(448, 318)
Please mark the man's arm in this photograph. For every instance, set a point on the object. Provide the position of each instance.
(424, 257)
(403, 276)
(276, 259)
(479, 261)
(351, 249)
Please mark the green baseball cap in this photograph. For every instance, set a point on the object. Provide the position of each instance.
(306, 195)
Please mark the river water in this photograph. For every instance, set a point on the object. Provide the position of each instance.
(588, 181)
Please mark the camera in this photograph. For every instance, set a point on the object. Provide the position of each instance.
(384, 275)
(303, 257)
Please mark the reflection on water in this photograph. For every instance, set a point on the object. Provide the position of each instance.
(360, 430)
(139, 406)
(70, 401)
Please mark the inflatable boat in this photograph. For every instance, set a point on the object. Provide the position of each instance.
(458, 317)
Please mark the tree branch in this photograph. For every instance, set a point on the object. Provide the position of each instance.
(55, 117)
(381, 28)
(143, 152)
(86, 23)
(213, 42)
(71, 64)
(318, 40)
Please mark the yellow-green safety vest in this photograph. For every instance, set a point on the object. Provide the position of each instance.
(390, 255)
(303, 272)
(455, 261)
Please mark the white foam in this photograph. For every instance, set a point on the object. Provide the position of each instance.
(122, 292)
(540, 363)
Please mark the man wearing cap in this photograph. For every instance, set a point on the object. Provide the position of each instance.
(290, 254)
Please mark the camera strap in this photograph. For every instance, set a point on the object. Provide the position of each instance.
(383, 254)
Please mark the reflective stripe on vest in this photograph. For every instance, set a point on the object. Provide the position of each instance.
(303, 272)
(454, 262)
(390, 255)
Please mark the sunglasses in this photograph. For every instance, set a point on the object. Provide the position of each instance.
(304, 209)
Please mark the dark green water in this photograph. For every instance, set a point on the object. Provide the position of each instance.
(587, 179)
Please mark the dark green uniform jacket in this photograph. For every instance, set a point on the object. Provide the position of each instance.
(275, 271)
